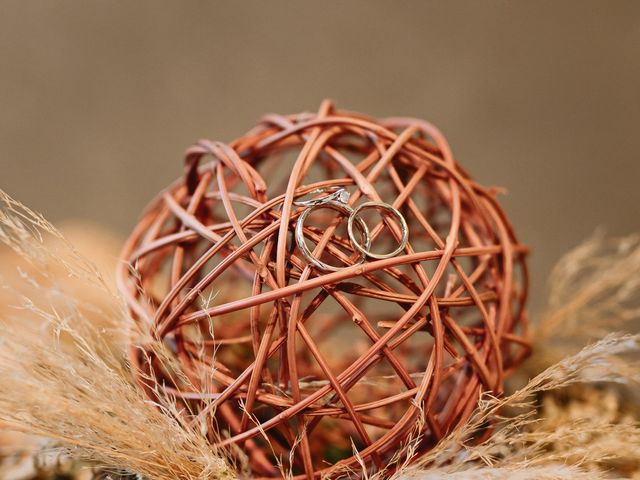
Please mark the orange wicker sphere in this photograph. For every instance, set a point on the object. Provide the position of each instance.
(291, 366)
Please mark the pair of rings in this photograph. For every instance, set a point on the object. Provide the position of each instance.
(338, 200)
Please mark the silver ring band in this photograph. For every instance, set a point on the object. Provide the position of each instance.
(380, 206)
(342, 208)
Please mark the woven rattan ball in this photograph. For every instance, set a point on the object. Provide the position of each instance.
(290, 367)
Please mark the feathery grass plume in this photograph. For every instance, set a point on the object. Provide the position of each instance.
(66, 379)
(580, 413)
(66, 376)
(548, 472)
(525, 443)
(593, 290)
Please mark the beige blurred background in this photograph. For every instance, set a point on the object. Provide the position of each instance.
(98, 99)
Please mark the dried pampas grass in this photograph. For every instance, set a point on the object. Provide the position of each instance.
(66, 377)
(528, 442)
(593, 290)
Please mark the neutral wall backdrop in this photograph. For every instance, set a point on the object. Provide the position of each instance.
(98, 99)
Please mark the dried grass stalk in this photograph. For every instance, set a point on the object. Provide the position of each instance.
(68, 380)
(529, 441)
(593, 290)
(579, 418)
